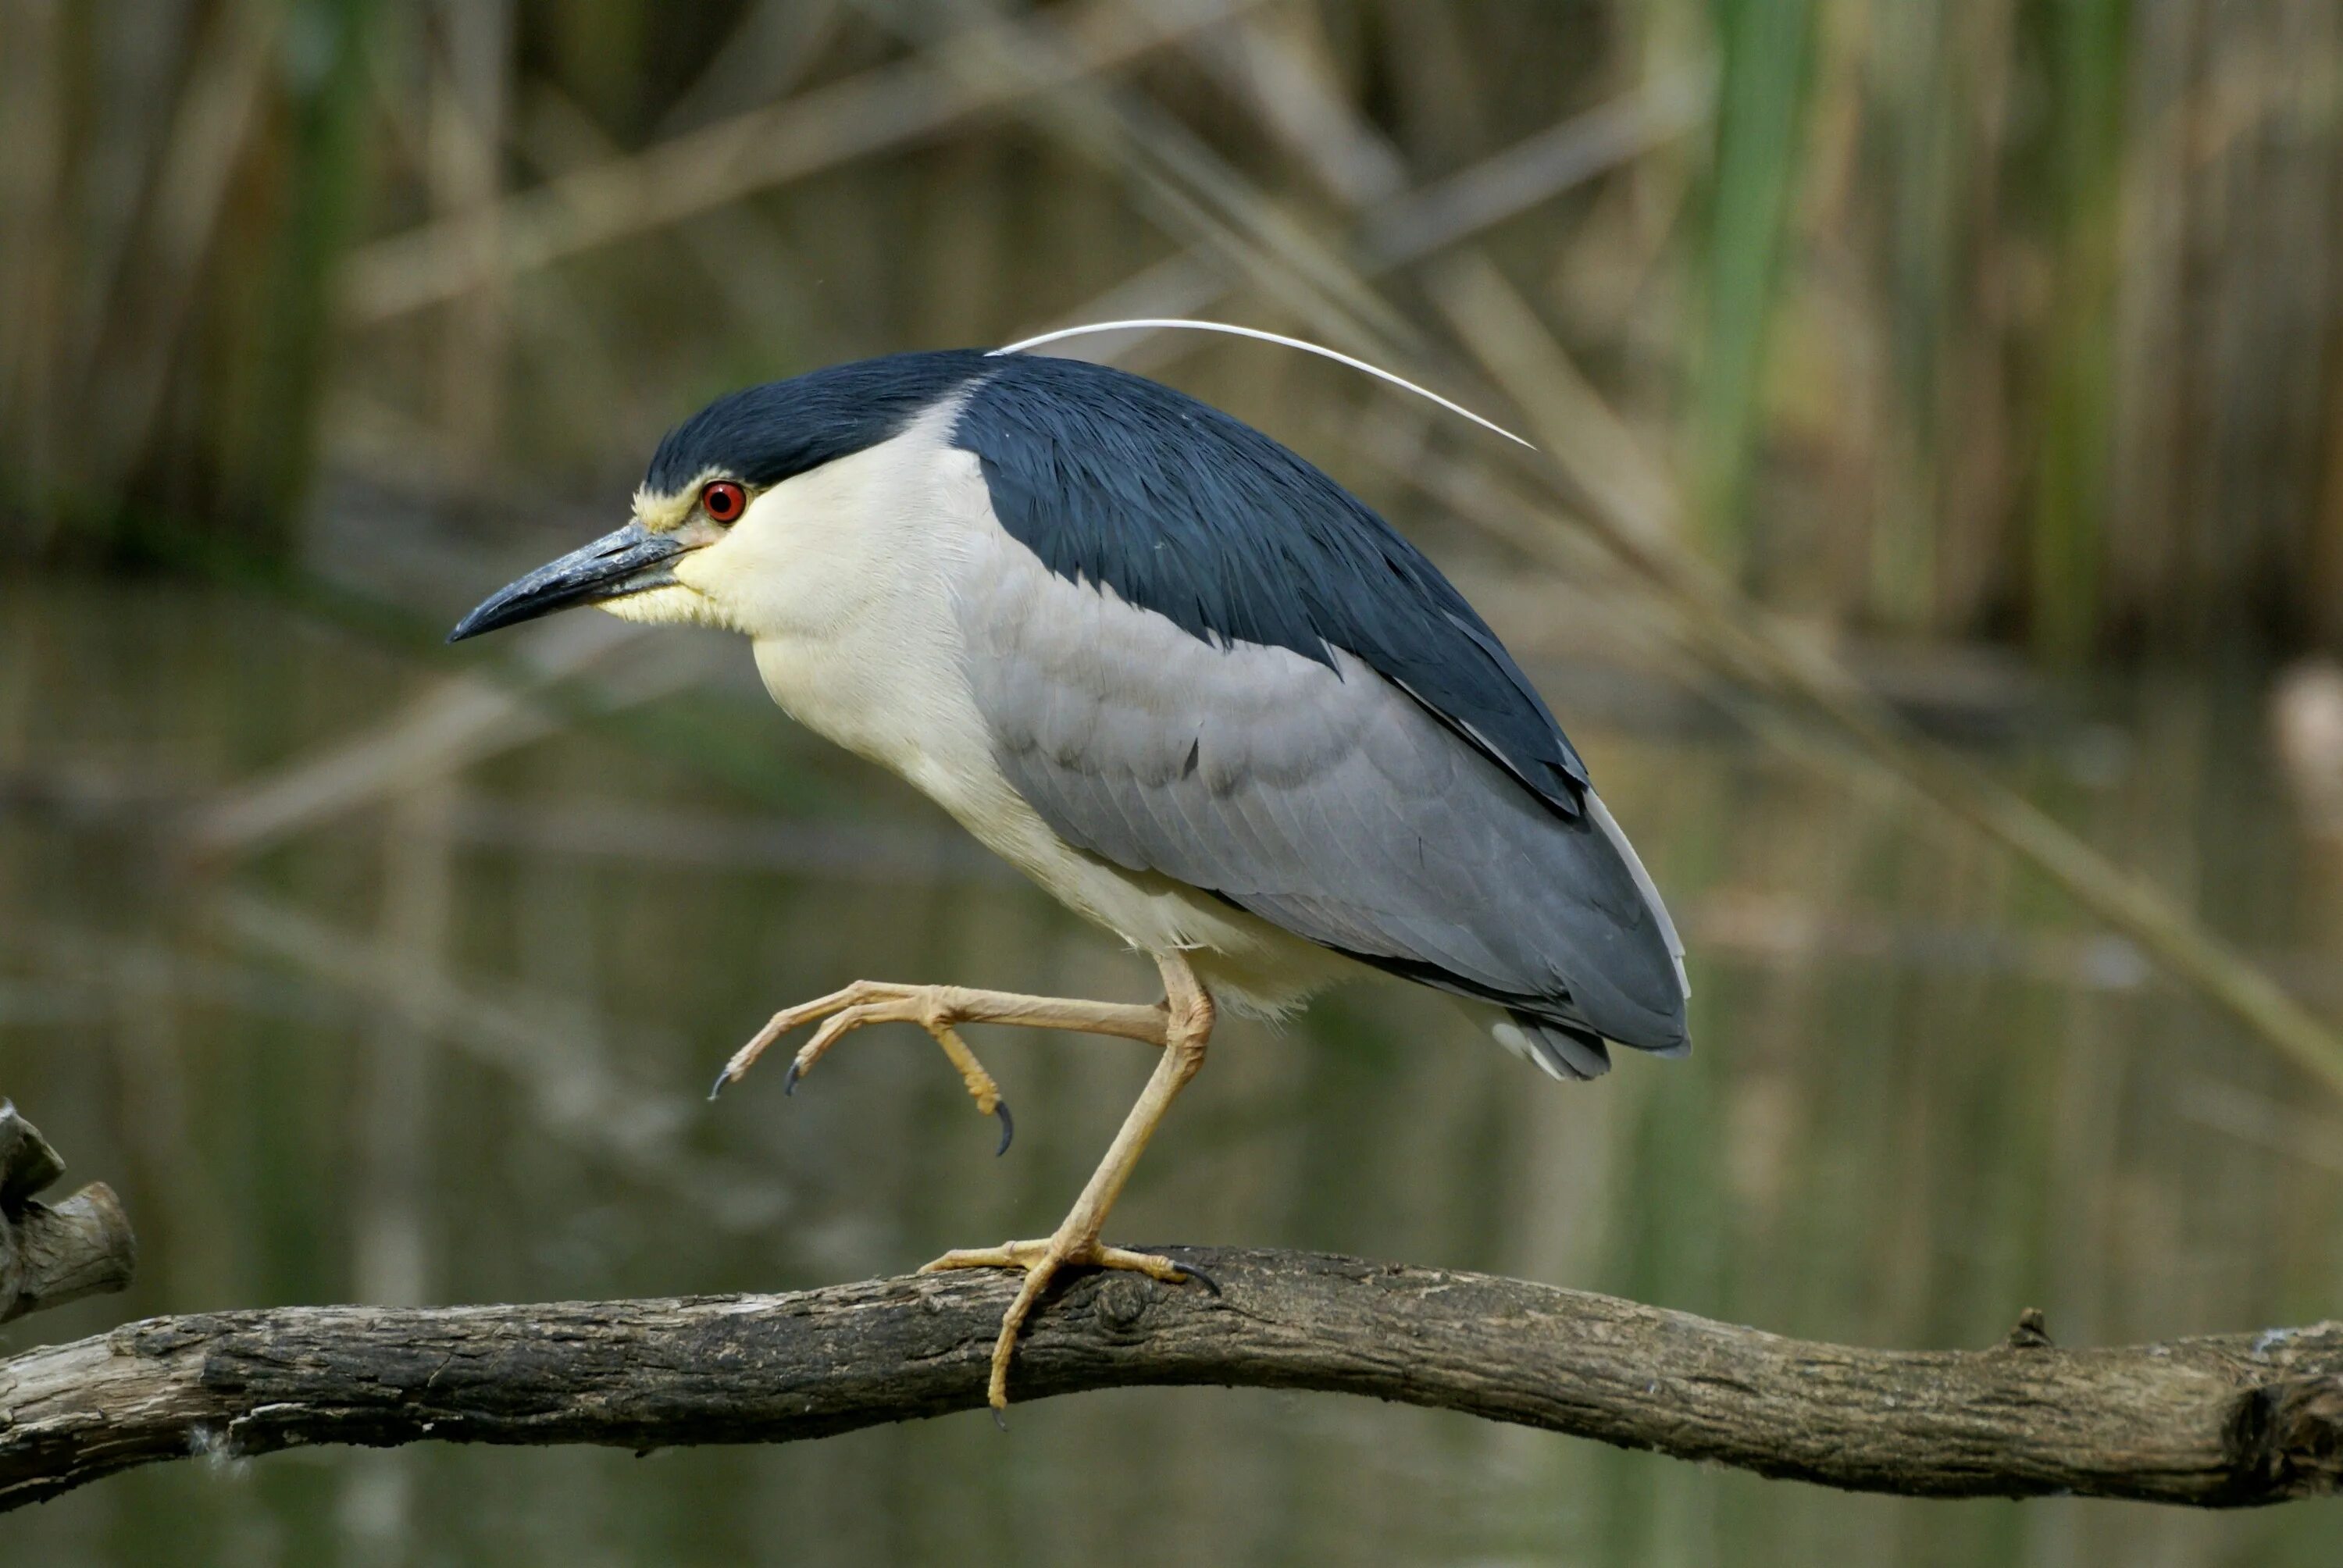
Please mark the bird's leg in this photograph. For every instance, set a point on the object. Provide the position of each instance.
(1187, 1024)
(938, 1009)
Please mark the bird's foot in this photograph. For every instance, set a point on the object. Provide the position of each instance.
(1041, 1261)
(938, 1009)
(932, 1007)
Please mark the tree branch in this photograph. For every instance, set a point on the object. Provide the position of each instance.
(2218, 1421)
(52, 1255)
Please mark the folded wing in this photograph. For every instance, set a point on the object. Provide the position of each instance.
(1320, 796)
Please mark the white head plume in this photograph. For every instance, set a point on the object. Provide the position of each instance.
(1180, 324)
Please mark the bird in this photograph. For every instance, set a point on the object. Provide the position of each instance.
(1178, 676)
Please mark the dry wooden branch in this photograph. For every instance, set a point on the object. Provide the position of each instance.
(50, 1255)
(2219, 1422)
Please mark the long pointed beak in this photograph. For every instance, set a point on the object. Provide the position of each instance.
(628, 561)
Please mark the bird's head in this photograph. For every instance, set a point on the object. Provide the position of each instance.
(644, 571)
(726, 512)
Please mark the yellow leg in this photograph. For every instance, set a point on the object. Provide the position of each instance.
(1180, 1025)
(937, 1009)
(1187, 1025)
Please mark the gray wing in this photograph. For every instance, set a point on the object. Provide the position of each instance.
(1325, 801)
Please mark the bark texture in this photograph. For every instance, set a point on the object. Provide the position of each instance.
(2217, 1421)
(52, 1255)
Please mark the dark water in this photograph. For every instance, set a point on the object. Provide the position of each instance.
(427, 1020)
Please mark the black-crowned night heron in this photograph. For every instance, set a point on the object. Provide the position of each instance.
(1173, 673)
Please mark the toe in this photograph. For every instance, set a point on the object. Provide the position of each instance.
(1147, 1264)
(1008, 1255)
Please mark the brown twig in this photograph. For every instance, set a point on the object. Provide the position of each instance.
(2222, 1421)
(50, 1255)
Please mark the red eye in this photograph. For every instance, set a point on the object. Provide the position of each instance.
(723, 500)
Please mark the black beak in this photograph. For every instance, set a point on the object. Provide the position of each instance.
(628, 561)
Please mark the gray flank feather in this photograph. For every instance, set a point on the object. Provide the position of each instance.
(1323, 798)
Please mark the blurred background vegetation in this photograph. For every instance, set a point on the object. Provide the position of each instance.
(1998, 318)
(1991, 346)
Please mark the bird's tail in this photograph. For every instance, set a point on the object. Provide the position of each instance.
(1562, 1053)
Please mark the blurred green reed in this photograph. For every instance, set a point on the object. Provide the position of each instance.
(1766, 48)
(1962, 318)
(2081, 163)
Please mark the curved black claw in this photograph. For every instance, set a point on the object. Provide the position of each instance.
(790, 1080)
(1198, 1275)
(1007, 1127)
(723, 1080)
(1000, 1418)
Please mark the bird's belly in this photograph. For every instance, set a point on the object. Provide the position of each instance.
(922, 727)
(1258, 967)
